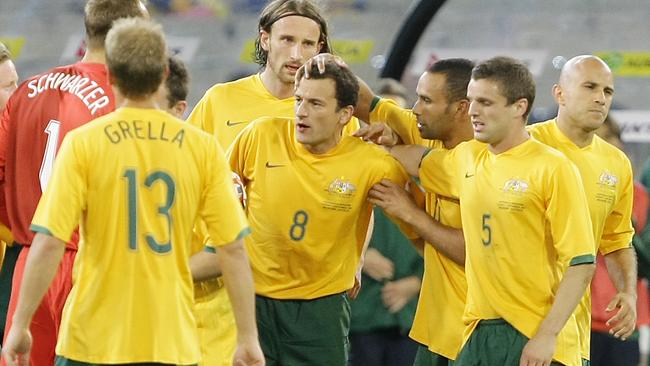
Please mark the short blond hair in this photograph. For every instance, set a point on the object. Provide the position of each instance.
(136, 56)
(5, 54)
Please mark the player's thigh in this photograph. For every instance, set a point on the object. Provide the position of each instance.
(315, 332)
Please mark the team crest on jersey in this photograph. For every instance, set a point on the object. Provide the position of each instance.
(608, 179)
(340, 193)
(515, 186)
(341, 186)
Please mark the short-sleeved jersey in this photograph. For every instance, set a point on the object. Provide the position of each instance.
(525, 219)
(309, 213)
(438, 322)
(135, 181)
(606, 175)
(227, 108)
(39, 114)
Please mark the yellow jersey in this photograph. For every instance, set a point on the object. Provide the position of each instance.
(309, 213)
(438, 322)
(227, 108)
(135, 181)
(525, 219)
(606, 175)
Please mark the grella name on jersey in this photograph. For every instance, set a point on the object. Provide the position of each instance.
(92, 95)
(142, 130)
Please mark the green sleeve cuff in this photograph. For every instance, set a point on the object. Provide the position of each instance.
(244, 233)
(40, 229)
(374, 102)
(424, 155)
(583, 259)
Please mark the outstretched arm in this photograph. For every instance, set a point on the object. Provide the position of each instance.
(398, 203)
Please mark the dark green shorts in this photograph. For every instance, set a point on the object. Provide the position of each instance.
(304, 332)
(493, 342)
(424, 357)
(62, 361)
(586, 362)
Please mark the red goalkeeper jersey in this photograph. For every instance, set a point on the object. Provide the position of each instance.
(37, 117)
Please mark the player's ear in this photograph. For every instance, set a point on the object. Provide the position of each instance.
(179, 108)
(264, 39)
(558, 94)
(345, 114)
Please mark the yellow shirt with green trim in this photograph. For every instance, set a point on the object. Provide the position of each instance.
(309, 213)
(438, 322)
(606, 175)
(227, 108)
(525, 219)
(135, 181)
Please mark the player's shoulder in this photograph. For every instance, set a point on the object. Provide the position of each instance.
(606, 149)
(542, 131)
(243, 85)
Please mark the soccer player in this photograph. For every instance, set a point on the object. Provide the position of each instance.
(439, 119)
(584, 94)
(529, 257)
(305, 247)
(289, 33)
(9, 251)
(37, 117)
(215, 320)
(136, 179)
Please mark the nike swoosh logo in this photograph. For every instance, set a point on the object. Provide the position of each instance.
(467, 175)
(269, 165)
(230, 123)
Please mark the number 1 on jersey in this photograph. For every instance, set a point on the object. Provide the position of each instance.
(53, 130)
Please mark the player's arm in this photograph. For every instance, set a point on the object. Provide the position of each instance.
(399, 204)
(204, 265)
(573, 240)
(233, 261)
(540, 348)
(621, 261)
(42, 263)
(622, 270)
(410, 156)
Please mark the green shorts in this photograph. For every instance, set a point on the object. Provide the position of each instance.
(586, 362)
(62, 361)
(304, 332)
(424, 357)
(493, 342)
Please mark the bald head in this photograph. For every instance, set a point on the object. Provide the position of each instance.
(584, 92)
(581, 64)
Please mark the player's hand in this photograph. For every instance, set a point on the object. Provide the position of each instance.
(393, 199)
(538, 351)
(397, 294)
(320, 60)
(623, 322)
(378, 133)
(378, 267)
(249, 353)
(354, 291)
(17, 346)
